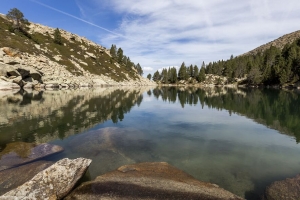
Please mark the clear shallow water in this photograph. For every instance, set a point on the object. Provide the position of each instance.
(241, 140)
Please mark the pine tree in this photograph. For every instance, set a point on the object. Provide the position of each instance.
(57, 37)
(165, 76)
(156, 76)
(17, 17)
(196, 71)
(191, 71)
(182, 72)
(120, 56)
(113, 51)
(201, 76)
(149, 76)
(140, 70)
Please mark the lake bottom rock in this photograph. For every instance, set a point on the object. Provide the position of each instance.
(288, 189)
(12, 178)
(55, 182)
(18, 153)
(157, 180)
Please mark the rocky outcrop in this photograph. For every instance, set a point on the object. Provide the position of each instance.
(55, 182)
(18, 153)
(288, 189)
(149, 181)
(19, 69)
(38, 63)
(12, 178)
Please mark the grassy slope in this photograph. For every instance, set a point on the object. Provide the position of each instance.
(99, 66)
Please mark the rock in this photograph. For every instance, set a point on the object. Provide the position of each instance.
(57, 58)
(15, 177)
(91, 55)
(11, 52)
(148, 181)
(18, 80)
(10, 61)
(113, 143)
(51, 85)
(24, 71)
(288, 189)
(28, 79)
(18, 153)
(29, 72)
(4, 85)
(28, 85)
(2, 54)
(63, 85)
(55, 182)
(37, 46)
(36, 75)
(13, 72)
(98, 82)
(3, 69)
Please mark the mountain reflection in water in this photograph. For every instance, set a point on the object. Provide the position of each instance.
(240, 139)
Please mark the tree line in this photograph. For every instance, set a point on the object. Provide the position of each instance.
(274, 66)
(270, 67)
(118, 56)
(186, 73)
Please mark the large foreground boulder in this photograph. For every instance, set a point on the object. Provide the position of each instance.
(288, 189)
(55, 182)
(149, 181)
(12, 178)
(18, 153)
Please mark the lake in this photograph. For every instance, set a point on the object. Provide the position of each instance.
(240, 139)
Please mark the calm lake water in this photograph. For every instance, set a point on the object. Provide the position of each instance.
(240, 139)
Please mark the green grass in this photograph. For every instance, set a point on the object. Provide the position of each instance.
(99, 66)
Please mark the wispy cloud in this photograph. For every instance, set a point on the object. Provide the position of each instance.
(194, 31)
(80, 19)
(148, 69)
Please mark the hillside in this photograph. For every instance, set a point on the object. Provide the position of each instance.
(279, 43)
(35, 60)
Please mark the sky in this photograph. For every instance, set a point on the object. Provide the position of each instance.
(162, 33)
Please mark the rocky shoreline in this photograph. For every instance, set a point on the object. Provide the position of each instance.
(22, 70)
(47, 180)
(26, 176)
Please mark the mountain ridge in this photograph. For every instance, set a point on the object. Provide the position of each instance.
(75, 62)
(279, 43)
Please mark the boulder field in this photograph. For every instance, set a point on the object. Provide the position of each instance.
(23, 70)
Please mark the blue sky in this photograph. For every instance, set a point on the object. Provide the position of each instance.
(159, 34)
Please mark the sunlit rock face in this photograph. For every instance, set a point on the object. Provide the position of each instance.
(55, 182)
(19, 153)
(157, 180)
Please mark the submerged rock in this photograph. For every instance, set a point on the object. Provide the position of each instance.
(288, 189)
(149, 181)
(55, 182)
(117, 146)
(12, 178)
(18, 153)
